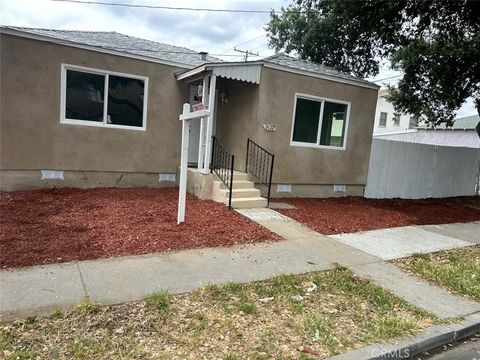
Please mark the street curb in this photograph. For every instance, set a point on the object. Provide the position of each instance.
(428, 339)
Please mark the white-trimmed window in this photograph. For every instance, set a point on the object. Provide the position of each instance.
(103, 98)
(319, 122)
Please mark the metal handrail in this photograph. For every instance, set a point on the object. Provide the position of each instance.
(222, 166)
(259, 163)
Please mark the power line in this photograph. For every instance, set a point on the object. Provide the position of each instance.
(260, 47)
(247, 41)
(246, 52)
(169, 7)
(388, 78)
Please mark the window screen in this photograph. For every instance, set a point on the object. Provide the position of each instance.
(84, 96)
(307, 114)
(333, 124)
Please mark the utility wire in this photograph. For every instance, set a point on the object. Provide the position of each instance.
(259, 47)
(247, 41)
(388, 78)
(169, 7)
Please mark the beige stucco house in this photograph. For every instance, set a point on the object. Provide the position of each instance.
(88, 109)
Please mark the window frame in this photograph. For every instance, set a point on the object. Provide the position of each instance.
(380, 119)
(322, 100)
(396, 116)
(106, 74)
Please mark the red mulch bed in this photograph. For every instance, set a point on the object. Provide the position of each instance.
(352, 214)
(59, 225)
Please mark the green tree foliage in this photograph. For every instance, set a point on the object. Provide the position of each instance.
(436, 44)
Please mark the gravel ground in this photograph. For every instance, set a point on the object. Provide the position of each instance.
(352, 214)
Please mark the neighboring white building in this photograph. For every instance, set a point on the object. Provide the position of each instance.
(387, 120)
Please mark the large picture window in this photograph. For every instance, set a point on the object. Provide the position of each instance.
(319, 122)
(102, 98)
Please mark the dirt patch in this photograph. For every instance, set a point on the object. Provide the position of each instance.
(60, 225)
(352, 214)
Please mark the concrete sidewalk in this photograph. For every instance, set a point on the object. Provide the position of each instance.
(41, 289)
(394, 243)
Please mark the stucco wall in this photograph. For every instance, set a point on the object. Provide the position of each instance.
(33, 138)
(302, 165)
(235, 118)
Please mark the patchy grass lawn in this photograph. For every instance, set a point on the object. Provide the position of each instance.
(352, 214)
(307, 316)
(60, 225)
(457, 270)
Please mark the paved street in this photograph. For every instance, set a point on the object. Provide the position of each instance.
(468, 349)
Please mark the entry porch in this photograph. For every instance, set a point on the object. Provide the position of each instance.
(222, 166)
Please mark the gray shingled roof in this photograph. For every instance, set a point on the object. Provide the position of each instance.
(294, 63)
(112, 40)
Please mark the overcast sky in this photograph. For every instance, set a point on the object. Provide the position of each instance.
(214, 32)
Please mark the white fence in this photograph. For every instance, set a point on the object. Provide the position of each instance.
(415, 171)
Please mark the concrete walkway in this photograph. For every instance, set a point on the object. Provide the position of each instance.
(41, 289)
(400, 242)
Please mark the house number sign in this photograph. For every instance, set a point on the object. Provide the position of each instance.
(269, 127)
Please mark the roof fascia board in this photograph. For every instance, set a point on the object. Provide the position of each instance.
(320, 76)
(18, 33)
(237, 63)
(192, 72)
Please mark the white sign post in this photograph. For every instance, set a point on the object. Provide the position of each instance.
(186, 117)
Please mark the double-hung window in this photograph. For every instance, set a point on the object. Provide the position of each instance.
(319, 122)
(103, 98)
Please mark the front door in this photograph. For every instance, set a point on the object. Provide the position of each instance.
(194, 132)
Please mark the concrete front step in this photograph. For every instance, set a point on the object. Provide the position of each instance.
(237, 184)
(244, 194)
(249, 203)
(237, 175)
(240, 193)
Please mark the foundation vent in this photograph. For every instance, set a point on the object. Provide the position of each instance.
(51, 174)
(287, 188)
(166, 177)
(339, 188)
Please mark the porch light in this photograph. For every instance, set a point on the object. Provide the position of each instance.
(199, 95)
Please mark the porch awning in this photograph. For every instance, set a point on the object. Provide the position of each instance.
(249, 72)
